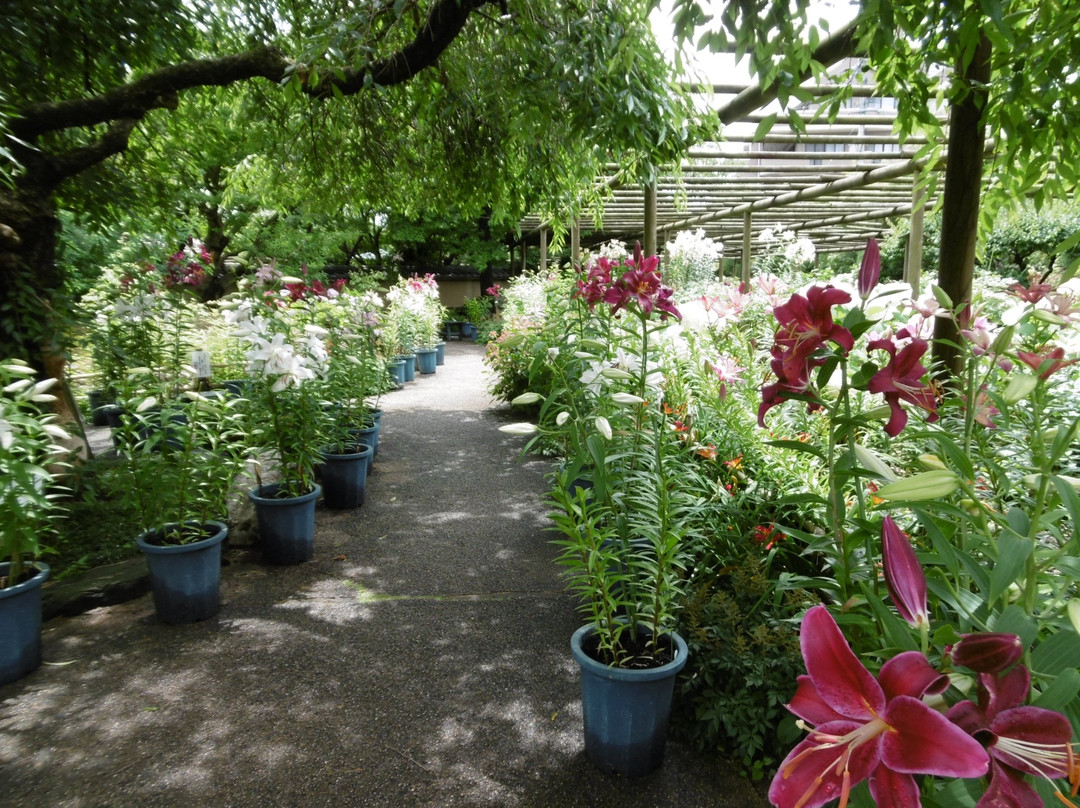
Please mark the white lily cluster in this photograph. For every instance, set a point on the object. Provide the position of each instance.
(273, 354)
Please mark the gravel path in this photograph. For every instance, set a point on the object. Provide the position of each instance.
(421, 659)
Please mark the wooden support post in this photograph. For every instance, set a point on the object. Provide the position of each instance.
(913, 265)
(747, 240)
(575, 244)
(649, 236)
(543, 249)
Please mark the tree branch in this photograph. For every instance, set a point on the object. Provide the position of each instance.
(160, 88)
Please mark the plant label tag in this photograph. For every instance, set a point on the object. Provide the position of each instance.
(200, 360)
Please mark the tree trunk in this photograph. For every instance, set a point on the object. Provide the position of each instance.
(28, 233)
(960, 211)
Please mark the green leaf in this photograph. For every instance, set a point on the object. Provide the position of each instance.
(1014, 620)
(765, 126)
(797, 446)
(1013, 553)
(1056, 654)
(1060, 692)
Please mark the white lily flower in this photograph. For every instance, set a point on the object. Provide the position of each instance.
(562, 418)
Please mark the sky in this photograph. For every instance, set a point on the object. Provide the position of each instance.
(722, 67)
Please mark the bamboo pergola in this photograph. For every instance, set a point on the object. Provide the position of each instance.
(837, 183)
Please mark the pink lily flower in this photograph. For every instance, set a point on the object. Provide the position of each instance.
(1020, 740)
(867, 728)
(900, 380)
(1046, 363)
(870, 269)
(904, 575)
(1033, 293)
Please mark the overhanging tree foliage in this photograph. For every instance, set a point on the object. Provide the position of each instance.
(390, 104)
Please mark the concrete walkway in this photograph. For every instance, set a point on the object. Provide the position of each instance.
(421, 659)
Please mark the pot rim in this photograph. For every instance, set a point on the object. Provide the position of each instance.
(589, 664)
(43, 572)
(201, 544)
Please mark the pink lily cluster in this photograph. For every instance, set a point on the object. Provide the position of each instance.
(189, 266)
(799, 346)
(880, 728)
(639, 285)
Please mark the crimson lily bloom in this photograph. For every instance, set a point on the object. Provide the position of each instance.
(1048, 362)
(900, 380)
(1019, 739)
(597, 281)
(870, 269)
(866, 727)
(904, 575)
(806, 324)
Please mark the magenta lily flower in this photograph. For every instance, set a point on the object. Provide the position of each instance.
(806, 324)
(870, 269)
(867, 728)
(904, 575)
(902, 379)
(1020, 740)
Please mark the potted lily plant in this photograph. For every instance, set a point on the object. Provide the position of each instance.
(354, 373)
(182, 485)
(284, 415)
(28, 442)
(622, 527)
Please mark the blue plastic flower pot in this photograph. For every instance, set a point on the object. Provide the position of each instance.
(344, 477)
(185, 578)
(368, 436)
(286, 525)
(20, 624)
(625, 710)
(468, 331)
(440, 353)
(410, 367)
(425, 360)
(397, 371)
(376, 419)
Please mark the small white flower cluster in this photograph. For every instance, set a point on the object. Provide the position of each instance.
(784, 250)
(691, 260)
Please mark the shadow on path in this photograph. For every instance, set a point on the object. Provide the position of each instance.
(421, 659)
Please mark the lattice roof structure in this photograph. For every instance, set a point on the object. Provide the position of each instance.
(837, 183)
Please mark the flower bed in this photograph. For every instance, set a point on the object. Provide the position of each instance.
(793, 437)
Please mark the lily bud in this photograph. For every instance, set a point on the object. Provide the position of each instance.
(603, 427)
(519, 429)
(987, 652)
(526, 398)
(925, 485)
(904, 575)
(562, 418)
(870, 269)
(1020, 386)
